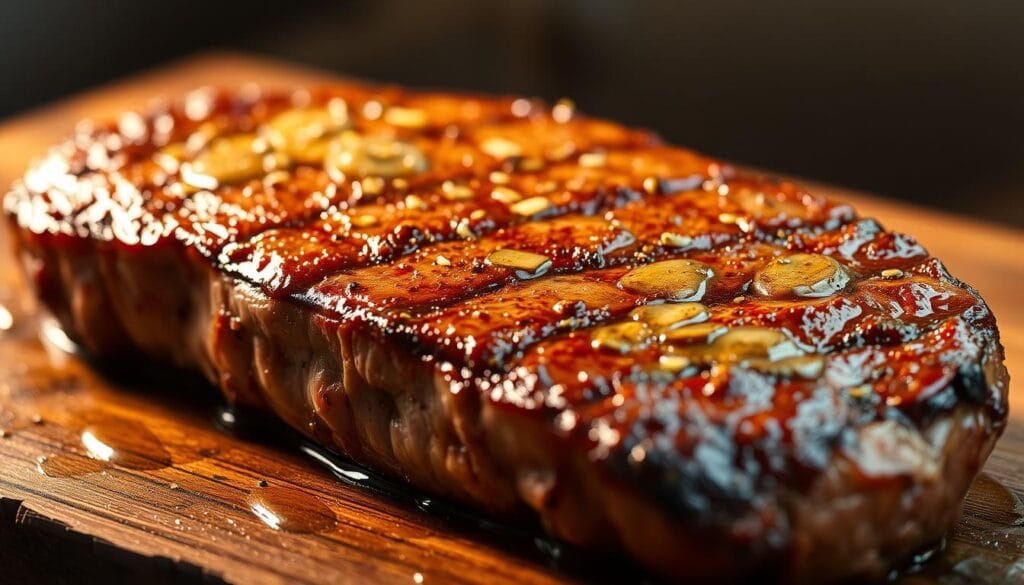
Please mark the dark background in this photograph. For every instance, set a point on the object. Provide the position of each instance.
(919, 100)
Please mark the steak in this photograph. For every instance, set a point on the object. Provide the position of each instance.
(530, 311)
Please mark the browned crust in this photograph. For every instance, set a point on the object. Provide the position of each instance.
(398, 418)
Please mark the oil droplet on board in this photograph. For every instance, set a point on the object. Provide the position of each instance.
(68, 466)
(54, 337)
(6, 319)
(292, 510)
(124, 443)
(986, 546)
(994, 503)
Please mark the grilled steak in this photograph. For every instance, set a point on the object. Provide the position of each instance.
(521, 308)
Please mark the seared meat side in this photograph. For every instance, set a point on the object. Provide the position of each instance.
(522, 308)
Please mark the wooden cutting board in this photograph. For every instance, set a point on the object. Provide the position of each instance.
(182, 499)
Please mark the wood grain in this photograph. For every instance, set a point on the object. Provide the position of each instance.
(183, 501)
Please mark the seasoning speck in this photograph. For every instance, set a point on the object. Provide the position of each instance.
(676, 240)
(464, 231)
(892, 273)
(505, 195)
(531, 206)
(455, 191)
(364, 220)
(501, 147)
(499, 178)
(372, 185)
(415, 202)
(593, 160)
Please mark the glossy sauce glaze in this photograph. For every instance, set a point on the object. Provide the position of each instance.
(509, 244)
(985, 546)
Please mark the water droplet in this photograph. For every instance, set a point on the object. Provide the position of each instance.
(292, 510)
(124, 443)
(68, 466)
(6, 319)
(994, 503)
(986, 546)
(227, 417)
(55, 337)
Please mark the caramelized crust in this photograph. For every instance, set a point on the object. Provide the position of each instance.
(346, 275)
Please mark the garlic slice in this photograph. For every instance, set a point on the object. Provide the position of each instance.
(230, 159)
(801, 275)
(530, 207)
(621, 337)
(526, 264)
(695, 333)
(674, 280)
(668, 316)
(304, 133)
(673, 363)
(742, 343)
(352, 155)
(805, 366)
